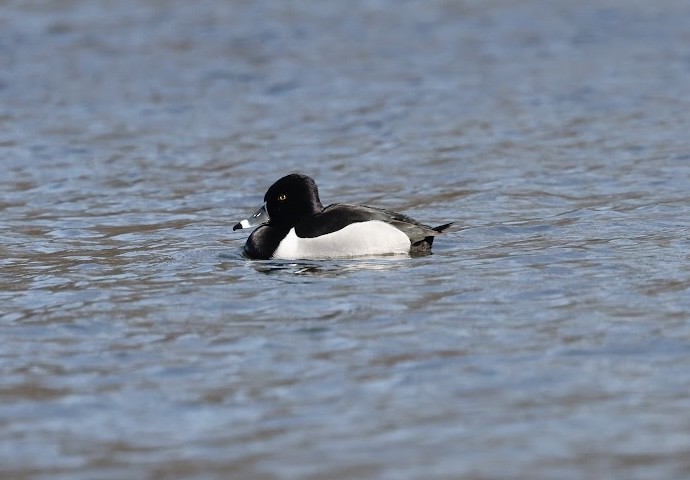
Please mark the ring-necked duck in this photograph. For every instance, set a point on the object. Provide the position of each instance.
(294, 225)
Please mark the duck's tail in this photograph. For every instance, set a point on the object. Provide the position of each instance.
(425, 245)
(441, 228)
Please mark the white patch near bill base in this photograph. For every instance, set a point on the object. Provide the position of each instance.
(245, 224)
(357, 239)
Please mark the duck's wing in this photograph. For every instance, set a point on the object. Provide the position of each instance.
(337, 216)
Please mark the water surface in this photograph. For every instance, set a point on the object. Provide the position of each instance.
(546, 337)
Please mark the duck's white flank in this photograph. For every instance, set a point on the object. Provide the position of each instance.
(357, 239)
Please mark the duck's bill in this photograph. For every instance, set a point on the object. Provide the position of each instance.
(259, 218)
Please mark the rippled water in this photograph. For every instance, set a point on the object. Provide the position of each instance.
(546, 337)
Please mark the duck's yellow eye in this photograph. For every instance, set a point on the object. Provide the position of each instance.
(282, 197)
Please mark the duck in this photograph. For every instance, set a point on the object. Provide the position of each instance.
(292, 224)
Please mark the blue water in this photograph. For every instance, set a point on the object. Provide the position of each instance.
(547, 336)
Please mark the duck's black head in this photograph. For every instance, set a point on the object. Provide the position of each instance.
(291, 199)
